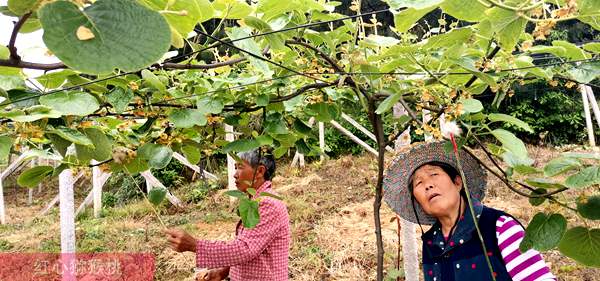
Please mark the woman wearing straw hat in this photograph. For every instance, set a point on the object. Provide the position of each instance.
(424, 185)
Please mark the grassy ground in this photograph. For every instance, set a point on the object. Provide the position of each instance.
(330, 206)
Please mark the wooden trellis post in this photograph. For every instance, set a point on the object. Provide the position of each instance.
(196, 169)
(230, 162)
(408, 240)
(322, 139)
(588, 117)
(67, 223)
(152, 181)
(30, 190)
(593, 104)
(11, 167)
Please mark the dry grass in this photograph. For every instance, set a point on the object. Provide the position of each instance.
(330, 206)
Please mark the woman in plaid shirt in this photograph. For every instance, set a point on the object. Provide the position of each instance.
(260, 253)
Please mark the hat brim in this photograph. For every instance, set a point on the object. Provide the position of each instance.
(396, 181)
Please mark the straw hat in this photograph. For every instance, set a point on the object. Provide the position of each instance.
(396, 181)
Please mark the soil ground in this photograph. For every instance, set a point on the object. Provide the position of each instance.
(330, 207)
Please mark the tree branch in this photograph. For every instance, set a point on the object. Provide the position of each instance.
(303, 89)
(13, 37)
(170, 65)
(511, 187)
(329, 60)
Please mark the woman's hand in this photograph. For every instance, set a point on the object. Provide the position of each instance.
(180, 240)
(215, 274)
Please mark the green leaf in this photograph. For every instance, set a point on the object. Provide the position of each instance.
(525, 169)
(469, 10)
(267, 194)
(102, 149)
(593, 47)
(119, 98)
(59, 144)
(538, 200)
(208, 104)
(323, 112)
(508, 26)
(71, 103)
(388, 103)
(231, 9)
(544, 232)
(153, 80)
(146, 127)
(127, 35)
(586, 177)
(275, 40)
(31, 114)
(191, 153)
(134, 166)
(21, 7)
(588, 12)
(499, 117)
(527, 61)
(301, 127)
(280, 151)
(302, 147)
(187, 118)
(249, 212)
(417, 4)
(375, 41)
(589, 207)
(236, 193)
(277, 127)
(54, 80)
(5, 145)
(471, 105)
(241, 145)
(251, 46)
(542, 49)
(560, 165)
(194, 11)
(158, 156)
(406, 19)
(72, 135)
(572, 52)
(264, 140)
(543, 183)
(582, 155)
(586, 72)
(510, 142)
(33, 176)
(157, 195)
(262, 100)
(582, 245)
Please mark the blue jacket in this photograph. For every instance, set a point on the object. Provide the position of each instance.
(462, 258)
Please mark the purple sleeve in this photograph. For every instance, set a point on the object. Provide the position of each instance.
(527, 266)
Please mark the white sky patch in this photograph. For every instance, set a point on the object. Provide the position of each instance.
(30, 46)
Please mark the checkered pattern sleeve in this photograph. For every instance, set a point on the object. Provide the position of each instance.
(527, 266)
(248, 244)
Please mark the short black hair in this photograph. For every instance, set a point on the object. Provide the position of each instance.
(258, 157)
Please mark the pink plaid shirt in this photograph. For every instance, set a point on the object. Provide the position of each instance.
(257, 254)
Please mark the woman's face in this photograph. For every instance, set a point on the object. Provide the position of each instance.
(435, 191)
(245, 175)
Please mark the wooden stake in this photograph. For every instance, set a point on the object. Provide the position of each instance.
(588, 117)
(67, 223)
(230, 162)
(593, 103)
(322, 139)
(353, 137)
(408, 238)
